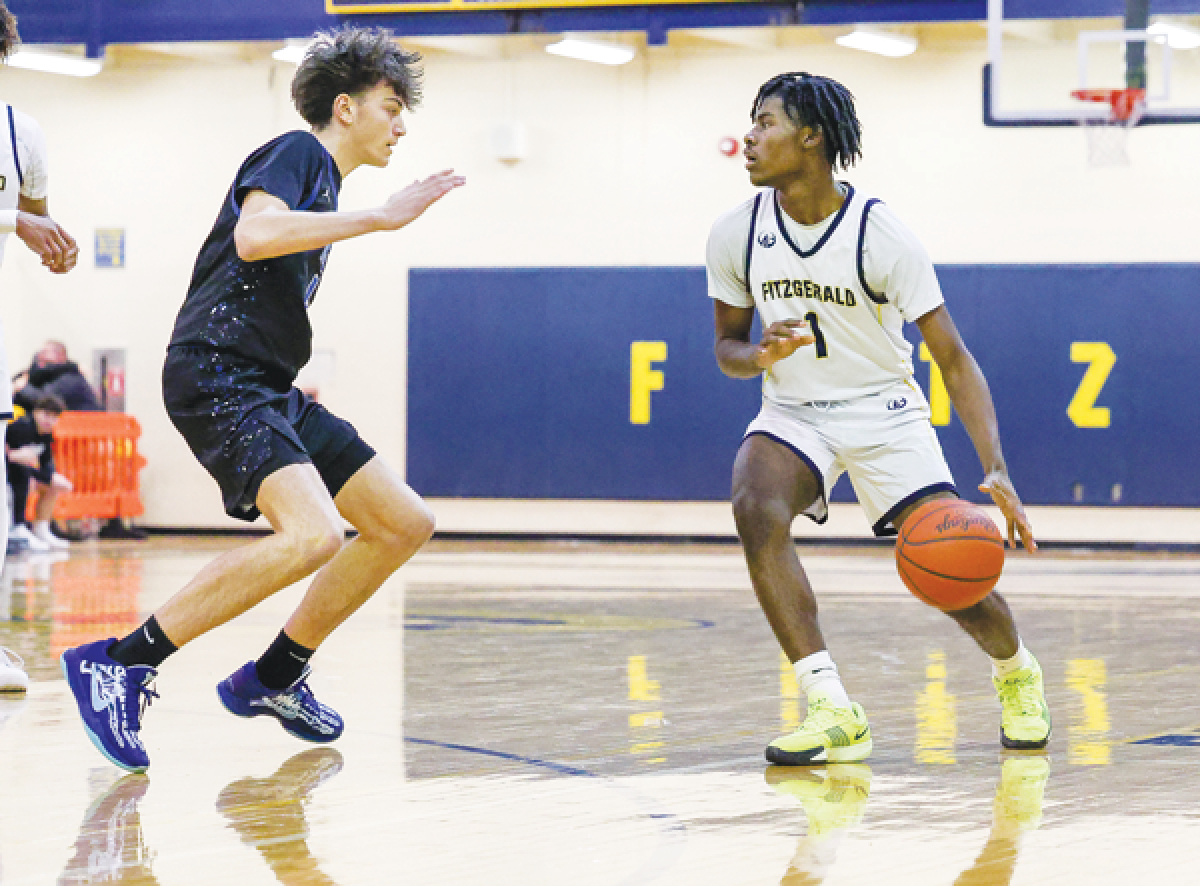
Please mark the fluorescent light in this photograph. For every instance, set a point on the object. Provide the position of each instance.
(891, 45)
(1178, 36)
(55, 63)
(293, 53)
(592, 51)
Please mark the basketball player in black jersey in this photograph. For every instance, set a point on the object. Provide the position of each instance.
(240, 338)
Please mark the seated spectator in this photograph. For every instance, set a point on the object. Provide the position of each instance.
(52, 373)
(29, 454)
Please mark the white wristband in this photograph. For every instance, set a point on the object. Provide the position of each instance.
(8, 221)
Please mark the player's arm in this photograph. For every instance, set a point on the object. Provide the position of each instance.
(44, 236)
(738, 357)
(972, 399)
(267, 228)
(725, 262)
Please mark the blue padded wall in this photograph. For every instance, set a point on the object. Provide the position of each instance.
(519, 383)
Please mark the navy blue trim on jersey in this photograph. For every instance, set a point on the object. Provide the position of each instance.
(862, 240)
(12, 134)
(837, 220)
(811, 466)
(324, 180)
(750, 239)
(883, 527)
(6, 416)
(320, 183)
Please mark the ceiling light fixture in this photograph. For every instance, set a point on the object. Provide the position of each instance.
(55, 63)
(1178, 36)
(293, 53)
(891, 45)
(597, 51)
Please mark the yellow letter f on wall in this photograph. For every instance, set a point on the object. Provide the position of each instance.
(644, 378)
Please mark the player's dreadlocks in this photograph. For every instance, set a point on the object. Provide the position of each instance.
(9, 41)
(822, 103)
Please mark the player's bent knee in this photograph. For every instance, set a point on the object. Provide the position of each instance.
(402, 532)
(759, 517)
(316, 546)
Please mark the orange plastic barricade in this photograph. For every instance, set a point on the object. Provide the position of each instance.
(97, 451)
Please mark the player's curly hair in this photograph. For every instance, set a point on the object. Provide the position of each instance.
(9, 39)
(820, 102)
(350, 61)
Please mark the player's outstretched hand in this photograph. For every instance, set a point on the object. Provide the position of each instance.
(781, 339)
(404, 206)
(47, 239)
(998, 485)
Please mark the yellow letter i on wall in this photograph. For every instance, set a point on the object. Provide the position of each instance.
(644, 378)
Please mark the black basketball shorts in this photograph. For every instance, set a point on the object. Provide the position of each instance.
(243, 424)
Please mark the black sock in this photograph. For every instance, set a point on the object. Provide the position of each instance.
(283, 662)
(148, 645)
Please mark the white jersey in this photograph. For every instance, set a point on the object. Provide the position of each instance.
(855, 277)
(22, 173)
(22, 166)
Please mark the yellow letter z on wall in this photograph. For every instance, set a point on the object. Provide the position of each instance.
(1082, 409)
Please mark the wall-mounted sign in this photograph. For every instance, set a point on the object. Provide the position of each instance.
(110, 247)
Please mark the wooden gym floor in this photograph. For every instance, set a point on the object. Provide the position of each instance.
(596, 714)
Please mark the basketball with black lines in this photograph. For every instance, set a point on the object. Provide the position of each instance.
(950, 553)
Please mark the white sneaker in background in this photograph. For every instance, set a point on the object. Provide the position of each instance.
(12, 672)
(23, 533)
(11, 705)
(42, 530)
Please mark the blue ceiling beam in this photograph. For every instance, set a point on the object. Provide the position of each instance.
(96, 23)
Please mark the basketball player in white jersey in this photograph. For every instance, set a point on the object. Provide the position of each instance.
(23, 211)
(23, 180)
(23, 205)
(834, 276)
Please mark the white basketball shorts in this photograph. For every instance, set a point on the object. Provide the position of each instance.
(884, 441)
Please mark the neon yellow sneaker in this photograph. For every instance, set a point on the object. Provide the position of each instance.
(834, 797)
(1020, 794)
(827, 735)
(1025, 721)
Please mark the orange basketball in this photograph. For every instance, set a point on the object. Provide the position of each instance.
(950, 553)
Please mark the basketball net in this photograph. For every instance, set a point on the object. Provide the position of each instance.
(1108, 138)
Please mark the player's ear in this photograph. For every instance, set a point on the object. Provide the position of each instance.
(344, 109)
(810, 136)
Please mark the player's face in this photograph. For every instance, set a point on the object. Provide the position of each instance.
(773, 149)
(378, 123)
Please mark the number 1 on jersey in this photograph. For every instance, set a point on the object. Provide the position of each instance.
(815, 328)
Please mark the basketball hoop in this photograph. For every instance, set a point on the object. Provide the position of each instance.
(1108, 137)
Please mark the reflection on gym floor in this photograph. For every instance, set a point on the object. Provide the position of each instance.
(551, 714)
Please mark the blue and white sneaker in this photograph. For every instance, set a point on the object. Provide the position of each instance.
(295, 707)
(111, 699)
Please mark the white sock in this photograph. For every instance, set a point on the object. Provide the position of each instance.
(818, 674)
(41, 528)
(1002, 667)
